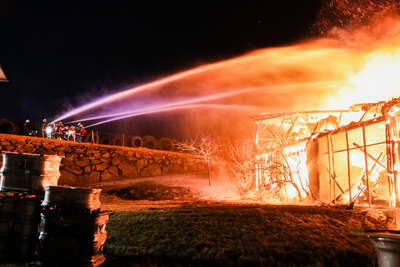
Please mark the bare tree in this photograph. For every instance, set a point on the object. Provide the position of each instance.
(270, 169)
(204, 147)
(241, 156)
(284, 165)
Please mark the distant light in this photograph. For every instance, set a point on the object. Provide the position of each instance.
(49, 130)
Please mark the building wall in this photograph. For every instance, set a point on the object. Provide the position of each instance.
(84, 164)
(342, 165)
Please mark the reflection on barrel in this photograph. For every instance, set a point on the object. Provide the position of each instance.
(72, 227)
(19, 221)
(72, 197)
(28, 172)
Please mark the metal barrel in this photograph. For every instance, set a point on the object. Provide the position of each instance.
(19, 222)
(80, 233)
(72, 197)
(26, 227)
(387, 246)
(51, 170)
(71, 221)
(8, 206)
(28, 172)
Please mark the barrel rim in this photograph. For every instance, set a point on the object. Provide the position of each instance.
(33, 155)
(51, 157)
(78, 189)
(21, 154)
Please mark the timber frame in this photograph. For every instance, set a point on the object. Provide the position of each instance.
(349, 161)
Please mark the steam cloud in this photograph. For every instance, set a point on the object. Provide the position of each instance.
(323, 73)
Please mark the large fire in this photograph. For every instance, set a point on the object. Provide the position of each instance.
(344, 147)
(352, 155)
(377, 80)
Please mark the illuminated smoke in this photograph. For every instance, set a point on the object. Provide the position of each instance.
(269, 67)
(149, 86)
(362, 55)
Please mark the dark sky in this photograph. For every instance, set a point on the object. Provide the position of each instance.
(56, 54)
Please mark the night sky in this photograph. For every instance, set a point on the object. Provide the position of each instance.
(57, 55)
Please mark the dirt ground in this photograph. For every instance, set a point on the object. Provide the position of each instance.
(182, 221)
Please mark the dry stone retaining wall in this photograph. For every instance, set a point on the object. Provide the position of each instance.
(84, 164)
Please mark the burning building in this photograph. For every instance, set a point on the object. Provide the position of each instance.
(349, 157)
(3, 77)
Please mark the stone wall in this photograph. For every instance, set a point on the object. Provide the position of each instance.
(84, 164)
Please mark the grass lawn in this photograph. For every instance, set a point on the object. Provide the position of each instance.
(224, 234)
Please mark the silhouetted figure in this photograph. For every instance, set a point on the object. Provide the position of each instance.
(70, 133)
(44, 127)
(50, 130)
(59, 131)
(29, 129)
(80, 132)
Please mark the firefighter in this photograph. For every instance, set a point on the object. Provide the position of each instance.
(71, 133)
(80, 132)
(60, 131)
(50, 130)
(29, 129)
(44, 127)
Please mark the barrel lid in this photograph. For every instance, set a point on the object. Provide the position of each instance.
(52, 157)
(16, 154)
(377, 233)
(69, 188)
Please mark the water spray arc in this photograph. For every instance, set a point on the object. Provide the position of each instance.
(209, 106)
(259, 68)
(160, 110)
(176, 105)
(152, 85)
(181, 104)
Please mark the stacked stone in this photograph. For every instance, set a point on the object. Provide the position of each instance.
(104, 164)
(86, 164)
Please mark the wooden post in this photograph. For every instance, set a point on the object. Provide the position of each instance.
(389, 169)
(394, 172)
(366, 165)
(340, 118)
(329, 170)
(348, 166)
(333, 170)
